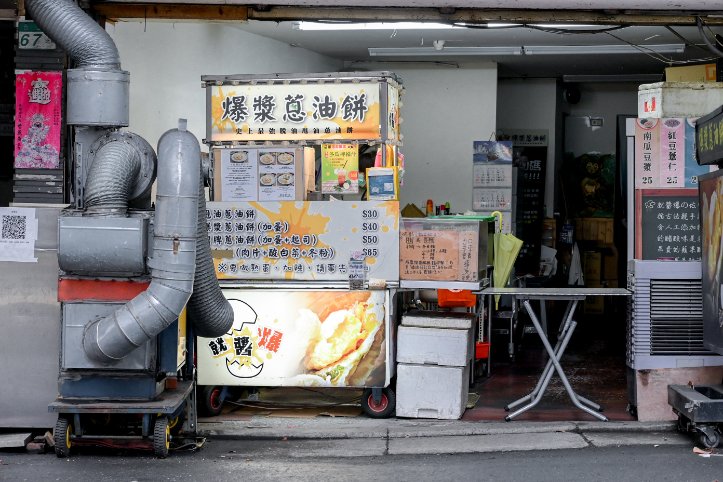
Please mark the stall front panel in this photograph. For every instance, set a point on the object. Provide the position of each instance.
(324, 338)
(309, 240)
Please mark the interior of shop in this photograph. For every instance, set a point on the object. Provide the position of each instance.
(573, 84)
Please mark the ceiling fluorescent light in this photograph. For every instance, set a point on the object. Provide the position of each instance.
(602, 49)
(373, 26)
(638, 78)
(446, 51)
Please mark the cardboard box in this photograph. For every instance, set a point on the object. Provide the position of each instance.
(594, 305)
(434, 346)
(692, 73)
(610, 264)
(594, 229)
(592, 267)
(427, 391)
(679, 99)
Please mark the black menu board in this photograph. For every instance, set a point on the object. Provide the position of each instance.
(531, 164)
(667, 224)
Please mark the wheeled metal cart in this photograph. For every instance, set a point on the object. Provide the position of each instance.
(152, 422)
(700, 410)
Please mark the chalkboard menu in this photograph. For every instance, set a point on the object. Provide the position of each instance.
(667, 224)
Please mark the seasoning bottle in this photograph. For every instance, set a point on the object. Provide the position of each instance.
(430, 207)
(447, 208)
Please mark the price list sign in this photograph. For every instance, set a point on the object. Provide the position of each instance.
(303, 240)
(669, 225)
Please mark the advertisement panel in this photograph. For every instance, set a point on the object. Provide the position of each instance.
(303, 240)
(711, 210)
(300, 338)
(339, 168)
(38, 103)
(314, 111)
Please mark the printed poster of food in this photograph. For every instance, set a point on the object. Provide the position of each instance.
(258, 174)
(38, 120)
(339, 168)
(300, 338)
(303, 240)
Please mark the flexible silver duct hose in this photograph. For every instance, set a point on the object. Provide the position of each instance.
(173, 263)
(208, 310)
(70, 27)
(111, 176)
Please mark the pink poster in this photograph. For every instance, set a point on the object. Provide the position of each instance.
(38, 103)
(647, 153)
(672, 153)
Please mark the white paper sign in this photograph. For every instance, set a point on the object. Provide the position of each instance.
(19, 231)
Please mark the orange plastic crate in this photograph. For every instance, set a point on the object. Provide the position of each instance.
(456, 299)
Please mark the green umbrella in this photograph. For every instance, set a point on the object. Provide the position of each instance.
(506, 249)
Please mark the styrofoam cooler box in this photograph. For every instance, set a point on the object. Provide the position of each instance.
(439, 319)
(434, 346)
(679, 99)
(427, 391)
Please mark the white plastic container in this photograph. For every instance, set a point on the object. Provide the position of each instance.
(425, 391)
(439, 319)
(434, 346)
(679, 99)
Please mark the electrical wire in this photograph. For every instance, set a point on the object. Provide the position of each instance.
(685, 40)
(659, 57)
(704, 37)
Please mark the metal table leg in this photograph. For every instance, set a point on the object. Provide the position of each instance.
(567, 318)
(558, 368)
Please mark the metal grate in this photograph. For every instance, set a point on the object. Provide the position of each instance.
(676, 317)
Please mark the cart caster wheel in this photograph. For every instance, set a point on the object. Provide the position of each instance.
(211, 400)
(61, 437)
(708, 437)
(161, 437)
(386, 406)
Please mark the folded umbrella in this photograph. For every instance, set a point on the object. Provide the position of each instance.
(506, 249)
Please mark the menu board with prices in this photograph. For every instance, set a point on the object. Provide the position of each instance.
(665, 154)
(668, 225)
(439, 255)
(310, 240)
(529, 209)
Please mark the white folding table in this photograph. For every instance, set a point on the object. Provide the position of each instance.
(567, 326)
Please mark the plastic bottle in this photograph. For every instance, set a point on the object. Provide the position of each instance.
(430, 207)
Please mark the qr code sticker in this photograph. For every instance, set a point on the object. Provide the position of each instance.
(13, 227)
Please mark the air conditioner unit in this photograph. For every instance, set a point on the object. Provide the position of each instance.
(665, 316)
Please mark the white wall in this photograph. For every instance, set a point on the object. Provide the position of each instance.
(444, 109)
(531, 104)
(605, 100)
(166, 61)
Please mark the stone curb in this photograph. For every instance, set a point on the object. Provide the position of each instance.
(294, 429)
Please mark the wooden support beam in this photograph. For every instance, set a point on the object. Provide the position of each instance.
(234, 10)
(115, 11)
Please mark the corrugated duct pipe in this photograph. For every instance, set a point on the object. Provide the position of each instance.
(112, 176)
(173, 261)
(87, 43)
